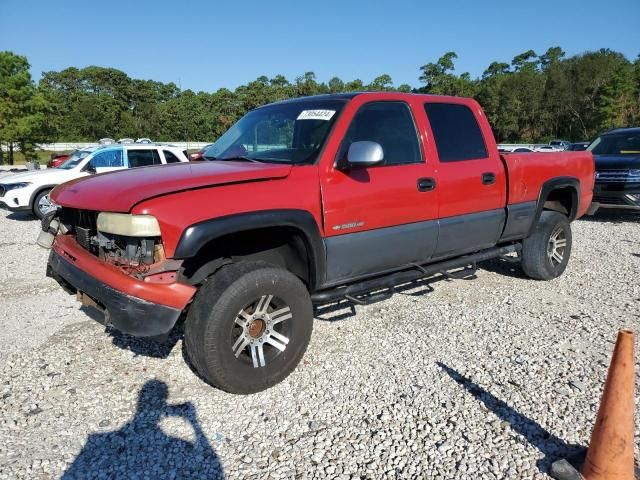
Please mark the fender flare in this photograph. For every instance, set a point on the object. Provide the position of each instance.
(553, 184)
(196, 236)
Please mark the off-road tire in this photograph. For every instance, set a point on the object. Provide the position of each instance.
(537, 261)
(211, 324)
(35, 209)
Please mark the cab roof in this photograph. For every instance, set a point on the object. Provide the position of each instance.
(350, 95)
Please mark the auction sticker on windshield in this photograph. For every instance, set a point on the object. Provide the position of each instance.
(316, 115)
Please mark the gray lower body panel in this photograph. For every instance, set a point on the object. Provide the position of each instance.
(469, 233)
(358, 254)
(520, 217)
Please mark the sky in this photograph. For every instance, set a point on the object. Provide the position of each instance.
(206, 45)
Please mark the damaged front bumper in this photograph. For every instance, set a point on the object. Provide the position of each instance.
(130, 305)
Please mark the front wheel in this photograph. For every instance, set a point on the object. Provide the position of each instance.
(42, 205)
(545, 253)
(248, 327)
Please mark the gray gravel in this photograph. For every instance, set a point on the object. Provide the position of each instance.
(491, 378)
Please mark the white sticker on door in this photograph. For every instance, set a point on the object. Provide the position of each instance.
(316, 115)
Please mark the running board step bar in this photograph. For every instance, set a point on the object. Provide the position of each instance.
(413, 273)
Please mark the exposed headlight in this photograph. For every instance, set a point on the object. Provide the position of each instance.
(13, 186)
(128, 225)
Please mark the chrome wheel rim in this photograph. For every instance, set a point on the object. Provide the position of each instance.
(557, 247)
(261, 331)
(44, 205)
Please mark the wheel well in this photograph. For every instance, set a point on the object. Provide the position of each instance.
(38, 192)
(563, 200)
(282, 246)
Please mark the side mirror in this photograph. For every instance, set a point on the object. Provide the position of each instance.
(89, 168)
(364, 154)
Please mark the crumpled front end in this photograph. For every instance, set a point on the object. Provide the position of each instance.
(126, 277)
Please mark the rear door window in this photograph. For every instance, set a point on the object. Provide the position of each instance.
(170, 157)
(456, 132)
(143, 158)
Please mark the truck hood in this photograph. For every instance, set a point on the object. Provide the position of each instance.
(120, 191)
(50, 176)
(617, 162)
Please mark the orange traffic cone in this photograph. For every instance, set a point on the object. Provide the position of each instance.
(610, 454)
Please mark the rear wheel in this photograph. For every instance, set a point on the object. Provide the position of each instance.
(41, 204)
(545, 253)
(248, 327)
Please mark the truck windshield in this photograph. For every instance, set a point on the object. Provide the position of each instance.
(616, 144)
(74, 159)
(291, 132)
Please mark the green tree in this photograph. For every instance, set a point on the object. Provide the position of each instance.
(525, 61)
(439, 78)
(617, 104)
(551, 57)
(354, 86)
(23, 109)
(532, 98)
(381, 83)
(336, 85)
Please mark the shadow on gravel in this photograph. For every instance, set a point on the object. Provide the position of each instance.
(613, 216)
(552, 447)
(343, 309)
(22, 217)
(141, 449)
(503, 267)
(155, 347)
(334, 312)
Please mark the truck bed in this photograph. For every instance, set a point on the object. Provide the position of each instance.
(527, 172)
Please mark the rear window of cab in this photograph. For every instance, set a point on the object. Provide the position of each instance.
(456, 132)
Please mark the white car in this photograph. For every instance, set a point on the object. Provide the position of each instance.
(546, 148)
(29, 191)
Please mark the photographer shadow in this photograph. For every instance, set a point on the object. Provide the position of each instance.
(141, 449)
(553, 448)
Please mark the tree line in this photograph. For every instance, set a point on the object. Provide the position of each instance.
(531, 99)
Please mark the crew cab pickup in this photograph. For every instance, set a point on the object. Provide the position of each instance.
(312, 200)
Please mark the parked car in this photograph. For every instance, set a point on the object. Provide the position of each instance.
(144, 140)
(514, 149)
(617, 157)
(311, 200)
(546, 148)
(578, 146)
(58, 159)
(199, 154)
(29, 191)
(560, 144)
(521, 150)
(126, 140)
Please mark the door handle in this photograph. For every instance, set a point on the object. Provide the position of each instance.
(426, 184)
(488, 178)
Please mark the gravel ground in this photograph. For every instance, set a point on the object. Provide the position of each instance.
(491, 378)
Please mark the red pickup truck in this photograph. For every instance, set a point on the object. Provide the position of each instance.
(305, 201)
